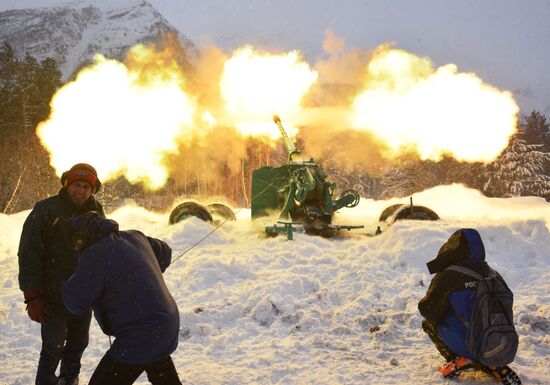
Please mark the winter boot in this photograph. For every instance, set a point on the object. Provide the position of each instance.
(506, 375)
(454, 367)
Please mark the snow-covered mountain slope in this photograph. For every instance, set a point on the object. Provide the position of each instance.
(73, 33)
(314, 310)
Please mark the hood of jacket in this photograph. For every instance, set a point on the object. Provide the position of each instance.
(89, 227)
(464, 245)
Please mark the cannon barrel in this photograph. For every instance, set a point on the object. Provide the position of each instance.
(289, 145)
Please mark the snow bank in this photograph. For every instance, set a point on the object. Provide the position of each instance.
(258, 310)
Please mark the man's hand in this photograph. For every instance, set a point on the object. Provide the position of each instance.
(35, 305)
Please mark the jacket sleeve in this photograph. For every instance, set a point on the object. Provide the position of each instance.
(84, 287)
(31, 250)
(162, 251)
(435, 303)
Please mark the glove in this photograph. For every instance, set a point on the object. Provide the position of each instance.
(35, 304)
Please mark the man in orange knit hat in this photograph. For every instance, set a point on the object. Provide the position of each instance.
(46, 259)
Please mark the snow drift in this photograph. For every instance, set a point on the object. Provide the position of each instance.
(258, 310)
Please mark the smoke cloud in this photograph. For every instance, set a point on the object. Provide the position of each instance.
(162, 112)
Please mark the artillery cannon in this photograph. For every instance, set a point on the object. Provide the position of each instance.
(298, 192)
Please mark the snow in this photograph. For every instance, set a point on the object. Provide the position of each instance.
(258, 310)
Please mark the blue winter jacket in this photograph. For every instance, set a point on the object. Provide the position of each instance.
(450, 296)
(120, 276)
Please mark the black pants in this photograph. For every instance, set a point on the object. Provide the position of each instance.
(64, 339)
(431, 331)
(111, 372)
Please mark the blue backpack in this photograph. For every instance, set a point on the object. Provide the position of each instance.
(490, 333)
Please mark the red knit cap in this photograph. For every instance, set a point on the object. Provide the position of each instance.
(81, 172)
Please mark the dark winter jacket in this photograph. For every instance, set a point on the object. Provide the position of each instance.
(45, 255)
(451, 293)
(120, 276)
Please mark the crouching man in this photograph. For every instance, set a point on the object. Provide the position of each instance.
(119, 275)
(468, 310)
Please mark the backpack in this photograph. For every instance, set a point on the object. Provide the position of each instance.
(490, 333)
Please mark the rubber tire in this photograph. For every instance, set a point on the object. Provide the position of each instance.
(221, 211)
(189, 209)
(420, 213)
(389, 211)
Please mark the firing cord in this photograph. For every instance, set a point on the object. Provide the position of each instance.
(206, 236)
(202, 239)
(221, 224)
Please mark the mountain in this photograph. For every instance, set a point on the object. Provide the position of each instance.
(72, 33)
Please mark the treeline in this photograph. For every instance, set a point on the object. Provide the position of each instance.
(522, 169)
(27, 86)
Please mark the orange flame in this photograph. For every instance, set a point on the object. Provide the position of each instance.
(255, 86)
(122, 119)
(130, 118)
(407, 103)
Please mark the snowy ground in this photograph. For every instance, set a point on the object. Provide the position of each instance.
(314, 311)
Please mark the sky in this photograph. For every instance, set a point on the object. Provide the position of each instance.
(505, 42)
(314, 311)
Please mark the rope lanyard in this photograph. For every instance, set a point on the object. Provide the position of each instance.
(221, 224)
